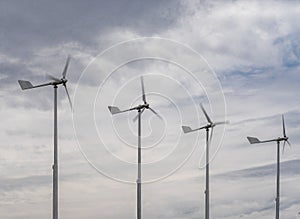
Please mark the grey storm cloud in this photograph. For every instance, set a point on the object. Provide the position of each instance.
(31, 24)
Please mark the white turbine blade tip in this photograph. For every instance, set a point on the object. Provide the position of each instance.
(253, 140)
(283, 147)
(221, 123)
(153, 111)
(143, 89)
(69, 98)
(135, 118)
(114, 110)
(66, 66)
(283, 126)
(52, 78)
(25, 84)
(186, 129)
(205, 113)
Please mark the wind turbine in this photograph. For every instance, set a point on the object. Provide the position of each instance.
(25, 85)
(140, 109)
(210, 125)
(254, 140)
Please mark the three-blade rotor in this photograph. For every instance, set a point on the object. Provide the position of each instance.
(54, 82)
(141, 108)
(210, 125)
(284, 135)
(254, 140)
(143, 90)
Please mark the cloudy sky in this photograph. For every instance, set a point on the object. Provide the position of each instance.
(241, 59)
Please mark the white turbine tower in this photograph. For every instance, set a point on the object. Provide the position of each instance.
(254, 140)
(25, 85)
(140, 108)
(210, 125)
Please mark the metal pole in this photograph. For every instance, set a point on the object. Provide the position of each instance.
(139, 195)
(278, 180)
(55, 165)
(207, 176)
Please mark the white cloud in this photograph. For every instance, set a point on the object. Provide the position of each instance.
(252, 46)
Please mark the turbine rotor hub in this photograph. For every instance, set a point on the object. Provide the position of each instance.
(63, 80)
(139, 107)
(282, 138)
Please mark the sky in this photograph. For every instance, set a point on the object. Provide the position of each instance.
(240, 59)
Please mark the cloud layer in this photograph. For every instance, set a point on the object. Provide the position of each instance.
(252, 47)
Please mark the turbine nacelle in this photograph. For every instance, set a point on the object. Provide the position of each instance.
(142, 106)
(64, 81)
(282, 139)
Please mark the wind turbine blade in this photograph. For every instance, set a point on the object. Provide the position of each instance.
(143, 90)
(152, 110)
(66, 67)
(137, 116)
(25, 84)
(211, 134)
(68, 95)
(52, 78)
(186, 129)
(289, 143)
(253, 140)
(221, 123)
(283, 126)
(205, 113)
(283, 147)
